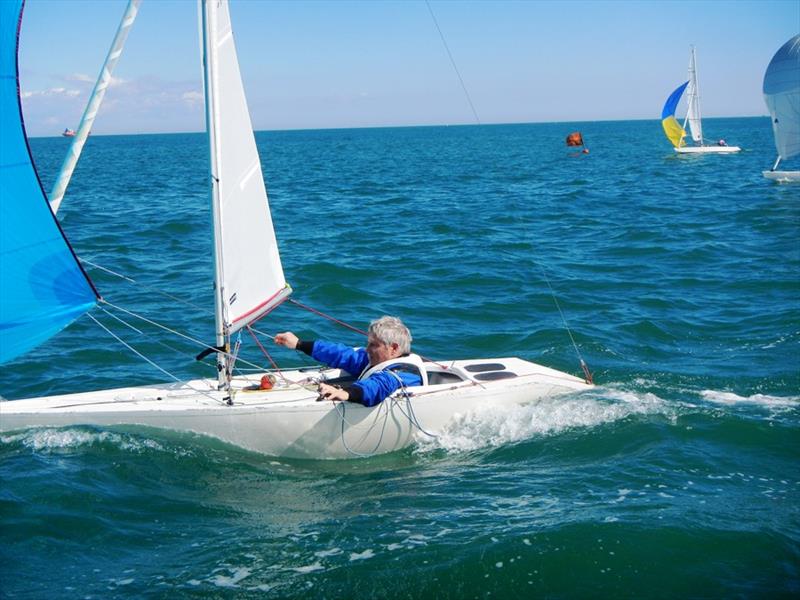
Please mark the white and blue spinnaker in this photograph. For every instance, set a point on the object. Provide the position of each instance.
(43, 287)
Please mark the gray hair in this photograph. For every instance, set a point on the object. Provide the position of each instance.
(390, 330)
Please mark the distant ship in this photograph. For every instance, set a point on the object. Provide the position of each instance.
(68, 132)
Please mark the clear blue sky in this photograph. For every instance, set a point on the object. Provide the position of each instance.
(354, 64)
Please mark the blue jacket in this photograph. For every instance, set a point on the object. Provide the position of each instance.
(370, 391)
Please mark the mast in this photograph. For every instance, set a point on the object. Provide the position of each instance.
(210, 85)
(98, 93)
(693, 113)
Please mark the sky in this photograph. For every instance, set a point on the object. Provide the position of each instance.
(339, 64)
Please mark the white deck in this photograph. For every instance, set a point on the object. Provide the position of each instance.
(288, 420)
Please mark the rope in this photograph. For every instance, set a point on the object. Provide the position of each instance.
(177, 333)
(143, 357)
(330, 318)
(148, 288)
(267, 354)
(586, 373)
(453, 62)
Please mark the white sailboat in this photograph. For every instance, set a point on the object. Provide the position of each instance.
(782, 95)
(677, 133)
(285, 420)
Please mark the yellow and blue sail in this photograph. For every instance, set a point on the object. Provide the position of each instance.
(675, 133)
(43, 287)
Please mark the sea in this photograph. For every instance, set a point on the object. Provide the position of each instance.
(676, 279)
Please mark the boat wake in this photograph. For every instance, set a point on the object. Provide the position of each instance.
(78, 438)
(495, 426)
(764, 400)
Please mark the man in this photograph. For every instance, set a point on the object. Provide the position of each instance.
(384, 366)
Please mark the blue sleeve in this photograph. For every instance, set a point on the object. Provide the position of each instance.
(379, 386)
(340, 356)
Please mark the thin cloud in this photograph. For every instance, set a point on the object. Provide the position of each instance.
(51, 92)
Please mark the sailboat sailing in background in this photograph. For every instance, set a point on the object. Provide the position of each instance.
(676, 132)
(782, 95)
(43, 288)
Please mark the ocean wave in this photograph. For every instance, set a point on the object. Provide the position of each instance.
(494, 426)
(51, 440)
(729, 398)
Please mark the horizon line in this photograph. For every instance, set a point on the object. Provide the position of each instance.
(201, 131)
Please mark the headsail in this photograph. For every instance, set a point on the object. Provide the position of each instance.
(250, 279)
(782, 95)
(675, 133)
(693, 98)
(42, 286)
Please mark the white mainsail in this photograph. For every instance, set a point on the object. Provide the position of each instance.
(693, 98)
(782, 96)
(249, 275)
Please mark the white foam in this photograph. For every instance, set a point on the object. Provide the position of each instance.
(493, 426)
(730, 398)
(233, 581)
(309, 568)
(368, 553)
(57, 439)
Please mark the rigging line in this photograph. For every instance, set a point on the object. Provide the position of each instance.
(587, 374)
(139, 331)
(267, 354)
(453, 62)
(147, 287)
(177, 333)
(152, 363)
(343, 324)
(321, 314)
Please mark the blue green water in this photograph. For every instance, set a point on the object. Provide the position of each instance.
(679, 277)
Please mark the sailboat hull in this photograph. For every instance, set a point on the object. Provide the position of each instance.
(288, 421)
(783, 176)
(707, 149)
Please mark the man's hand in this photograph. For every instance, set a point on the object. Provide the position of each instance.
(287, 339)
(330, 392)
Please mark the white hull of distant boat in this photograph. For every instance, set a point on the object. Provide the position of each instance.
(707, 149)
(783, 176)
(288, 421)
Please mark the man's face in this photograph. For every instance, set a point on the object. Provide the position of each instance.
(379, 352)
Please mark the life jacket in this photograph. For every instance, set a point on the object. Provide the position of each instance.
(411, 363)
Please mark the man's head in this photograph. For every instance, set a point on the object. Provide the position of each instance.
(387, 338)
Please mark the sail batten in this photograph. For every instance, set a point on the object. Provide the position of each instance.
(43, 287)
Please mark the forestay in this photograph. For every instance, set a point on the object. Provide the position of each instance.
(42, 286)
(782, 95)
(250, 279)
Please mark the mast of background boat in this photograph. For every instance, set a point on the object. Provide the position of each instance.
(210, 81)
(99, 91)
(693, 117)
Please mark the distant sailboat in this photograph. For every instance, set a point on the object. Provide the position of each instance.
(676, 132)
(68, 132)
(782, 95)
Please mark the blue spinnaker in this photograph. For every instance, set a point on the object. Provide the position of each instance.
(43, 288)
(672, 102)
